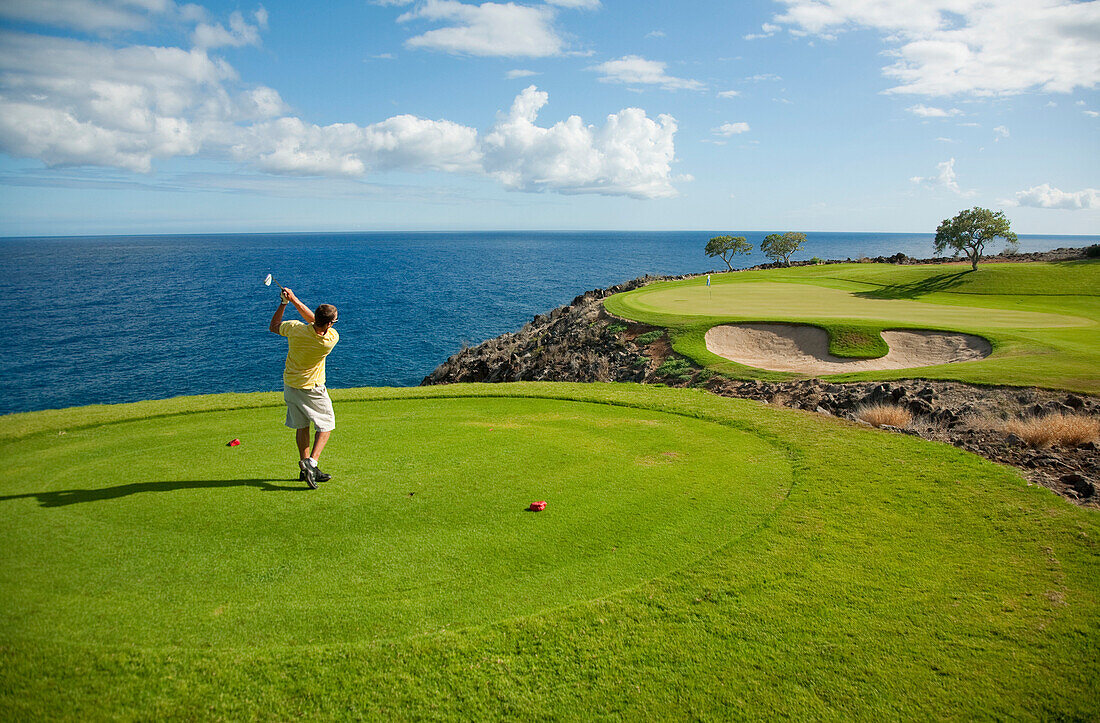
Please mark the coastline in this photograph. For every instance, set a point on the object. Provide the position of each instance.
(582, 342)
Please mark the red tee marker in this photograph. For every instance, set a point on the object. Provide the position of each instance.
(234, 443)
(537, 506)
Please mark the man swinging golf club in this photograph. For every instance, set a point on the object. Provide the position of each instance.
(307, 399)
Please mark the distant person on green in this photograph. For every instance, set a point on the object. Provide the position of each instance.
(307, 400)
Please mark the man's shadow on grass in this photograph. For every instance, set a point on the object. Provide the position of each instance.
(62, 498)
(939, 282)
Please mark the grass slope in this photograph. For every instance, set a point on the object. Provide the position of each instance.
(699, 557)
(1042, 319)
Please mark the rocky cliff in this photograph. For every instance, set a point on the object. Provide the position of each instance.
(581, 342)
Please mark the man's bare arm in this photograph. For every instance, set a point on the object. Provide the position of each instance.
(277, 318)
(303, 310)
(288, 297)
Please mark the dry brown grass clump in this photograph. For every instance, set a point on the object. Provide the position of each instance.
(1068, 430)
(885, 415)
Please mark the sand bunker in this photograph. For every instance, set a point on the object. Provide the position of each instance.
(791, 348)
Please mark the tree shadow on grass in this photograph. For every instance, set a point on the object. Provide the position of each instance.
(62, 498)
(939, 282)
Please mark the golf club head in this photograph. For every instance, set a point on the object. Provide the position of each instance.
(267, 280)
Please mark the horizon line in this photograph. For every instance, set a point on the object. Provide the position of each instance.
(485, 231)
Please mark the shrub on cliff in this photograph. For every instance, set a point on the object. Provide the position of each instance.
(675, 369)
(649, 337)
(879, 415)
(1069, 430)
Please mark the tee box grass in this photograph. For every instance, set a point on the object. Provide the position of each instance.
(1042, 319)
(699, 557)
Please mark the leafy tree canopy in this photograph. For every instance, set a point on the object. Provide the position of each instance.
(971, 230)
(727, 247)
(779, 247)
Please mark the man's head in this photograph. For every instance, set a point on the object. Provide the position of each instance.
(324, 315)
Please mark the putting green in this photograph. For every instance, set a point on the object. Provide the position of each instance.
(1042, 320)
(765, 300)
(152, 532)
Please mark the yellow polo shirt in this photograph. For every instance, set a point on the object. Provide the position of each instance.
(306, 352)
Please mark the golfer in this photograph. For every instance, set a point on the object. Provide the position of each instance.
(307, 400)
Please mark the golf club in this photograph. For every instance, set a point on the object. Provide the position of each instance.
(268, 280)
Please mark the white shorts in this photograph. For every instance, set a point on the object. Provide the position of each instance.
(304, 406)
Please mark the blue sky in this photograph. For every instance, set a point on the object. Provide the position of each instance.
(150, 116)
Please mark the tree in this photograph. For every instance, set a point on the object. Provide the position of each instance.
(780, 246)
(727, 247)
(971, 230)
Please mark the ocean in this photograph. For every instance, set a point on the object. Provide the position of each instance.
(110, 319)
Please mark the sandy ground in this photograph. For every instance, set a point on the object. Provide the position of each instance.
(797, 348)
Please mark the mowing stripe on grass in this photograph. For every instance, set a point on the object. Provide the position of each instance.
(151, 532)
(897, 578)
(1043, 320)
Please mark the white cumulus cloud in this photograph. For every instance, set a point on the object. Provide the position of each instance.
(576, 4)
(978, 47)
(1046, 196)
(630, 155)
(288, 145)
(944, 178)
(731, 129)
(238, 34)
(86, 15)
(489, 29)
(925, 111)
(69, 102)
(636, 70)
(768, 31)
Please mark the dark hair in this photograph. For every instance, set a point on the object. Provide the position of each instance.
(324, 314)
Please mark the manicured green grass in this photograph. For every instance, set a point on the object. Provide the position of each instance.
(856, 341)
(425, 529)
(699, 557)
(1043, 320)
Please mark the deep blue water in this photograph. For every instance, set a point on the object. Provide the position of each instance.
(124, 318)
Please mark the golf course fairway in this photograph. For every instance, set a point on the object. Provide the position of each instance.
(1042, 319)
(698, 557)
